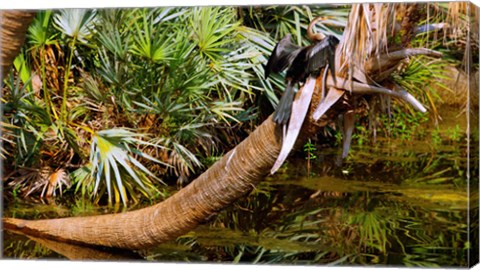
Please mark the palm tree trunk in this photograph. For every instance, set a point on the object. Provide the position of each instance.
(233, 176)
(13, 25)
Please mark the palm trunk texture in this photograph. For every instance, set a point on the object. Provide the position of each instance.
(14, 25)
(230, 178)
(227, 180)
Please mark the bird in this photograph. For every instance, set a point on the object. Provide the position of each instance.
(303, 64)
(300, 62)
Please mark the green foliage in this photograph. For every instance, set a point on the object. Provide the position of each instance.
(184, 74)
(455, 134)
(212, 29)
(27, 122)
(310, 149)
(403, 125)
(155, 46)
(24, 71)
(40, 32)
(360, 136)
(423, 77)
(112, 152)
(283, 20)
(40, 36)
(436, 139)
(187, 69)
(75, 23)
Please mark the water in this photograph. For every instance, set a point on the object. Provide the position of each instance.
(391, 203)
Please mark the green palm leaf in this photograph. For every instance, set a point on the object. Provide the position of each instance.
(111, 151)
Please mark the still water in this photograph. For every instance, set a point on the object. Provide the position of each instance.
(392, 202)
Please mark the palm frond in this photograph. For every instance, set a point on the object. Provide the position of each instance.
(151, 43)
(76, 23)
(111, 152)
(39, 32)
(211, 29)
(43, 181)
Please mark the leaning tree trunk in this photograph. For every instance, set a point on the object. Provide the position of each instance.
(13, 25)
(227, 180)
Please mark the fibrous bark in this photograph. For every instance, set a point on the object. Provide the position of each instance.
(234, 175)
(13, 25)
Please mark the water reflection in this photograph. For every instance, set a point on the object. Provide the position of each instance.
(390, 204)
(27, 247)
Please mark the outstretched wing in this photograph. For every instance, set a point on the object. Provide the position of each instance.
(282, 56)
(321, 54)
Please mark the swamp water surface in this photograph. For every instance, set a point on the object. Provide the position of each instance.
(394, 202)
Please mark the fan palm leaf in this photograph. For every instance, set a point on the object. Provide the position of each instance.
(76, 23)
(111, 153)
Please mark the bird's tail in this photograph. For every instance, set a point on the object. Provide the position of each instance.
(284, 109)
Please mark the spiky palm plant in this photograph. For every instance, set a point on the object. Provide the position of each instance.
(114, 168)
(184, 72)
(27, 122)
(28, 128)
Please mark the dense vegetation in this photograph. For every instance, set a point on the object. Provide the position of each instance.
(122, 102)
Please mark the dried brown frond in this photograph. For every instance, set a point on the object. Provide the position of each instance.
(28, 180)
(54, 59)
(7, 141)
(180, 164)
(56, 180)
(460, 14)
(43, 181)
(463, 18)
(368, 33)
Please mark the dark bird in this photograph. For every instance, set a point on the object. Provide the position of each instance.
(282, 55)
(300, 62)
(303, 65)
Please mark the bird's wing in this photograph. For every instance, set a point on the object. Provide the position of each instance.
(282, 56)
(284, 108)
(322, 53)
